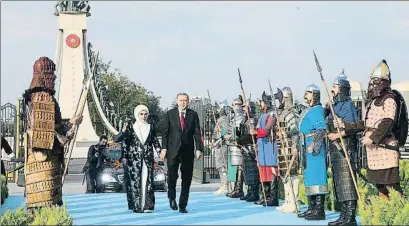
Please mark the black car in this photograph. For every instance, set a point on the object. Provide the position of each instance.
(112, 179)
(160, 182)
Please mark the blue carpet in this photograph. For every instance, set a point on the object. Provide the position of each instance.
(204, 209)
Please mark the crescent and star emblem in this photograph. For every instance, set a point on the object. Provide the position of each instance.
(73, 41)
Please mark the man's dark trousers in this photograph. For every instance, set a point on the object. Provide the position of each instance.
(186, 168)
(93, 181)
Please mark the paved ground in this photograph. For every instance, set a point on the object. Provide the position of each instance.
(79, 188)
(204, 209)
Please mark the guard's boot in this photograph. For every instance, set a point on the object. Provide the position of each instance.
(218, 190)
(311, 206)
(238, 188)
(267, 191)
(235, 185)
(341, 216)
(254, 194)
(286, 197)
(273, 201)
(293, 199)
(243, 198)
(350, 213)
(224, 188)
(318, 212)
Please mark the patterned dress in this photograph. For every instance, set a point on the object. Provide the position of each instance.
(140, 168)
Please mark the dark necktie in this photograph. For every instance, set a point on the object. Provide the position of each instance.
(182, 120)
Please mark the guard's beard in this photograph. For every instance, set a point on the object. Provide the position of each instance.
(309, 102)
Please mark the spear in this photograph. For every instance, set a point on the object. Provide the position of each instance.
(250, 127)
(330, 103)
(284, 146)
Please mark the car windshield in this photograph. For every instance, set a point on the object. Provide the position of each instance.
(114, 154)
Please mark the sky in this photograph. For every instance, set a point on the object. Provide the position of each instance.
(173, 47)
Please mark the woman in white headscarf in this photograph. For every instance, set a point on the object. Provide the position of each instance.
(139, 141)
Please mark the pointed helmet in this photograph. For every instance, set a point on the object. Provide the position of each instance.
(381, 71)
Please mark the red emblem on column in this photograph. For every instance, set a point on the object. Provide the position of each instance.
(73, 41)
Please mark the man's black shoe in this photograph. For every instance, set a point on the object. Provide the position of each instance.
(183, 210)
(173, 204)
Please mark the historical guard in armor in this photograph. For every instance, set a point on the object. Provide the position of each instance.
(251, 170)
(220, 136)
(312, 128)
(267, 152)
(47, 133)
(344, 189)
(236, 173)
(288, 120)
(385, 130)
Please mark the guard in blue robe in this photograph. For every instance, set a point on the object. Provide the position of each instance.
(312, 129)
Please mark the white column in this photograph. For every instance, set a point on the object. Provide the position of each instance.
(71, 68)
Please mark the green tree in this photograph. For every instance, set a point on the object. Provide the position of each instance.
(125, 96)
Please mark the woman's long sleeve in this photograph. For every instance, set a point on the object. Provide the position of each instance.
(155, 141)
(121, 138)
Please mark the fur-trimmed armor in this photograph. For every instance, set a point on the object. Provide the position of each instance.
(46, 135)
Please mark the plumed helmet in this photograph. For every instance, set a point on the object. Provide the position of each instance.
(381, 71)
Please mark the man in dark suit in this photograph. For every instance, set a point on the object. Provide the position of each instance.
(181, 135)
(93, 166)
